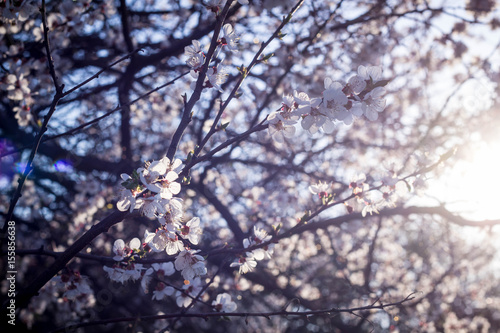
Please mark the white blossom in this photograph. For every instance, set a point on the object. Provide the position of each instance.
(119, 250)
(127, 201)
(161, 291)
(230, 38)
(373, 73)
(191, 230)
(372, 104)
(195, 55)
(192, 289)
(223, 303)
(321, 188)
(190, 264)
(217, 76)
(279, 127)
(246, 264)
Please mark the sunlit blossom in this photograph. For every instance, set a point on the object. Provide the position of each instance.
(190, 264)
(245, 263)
(223, 303)
(230, 39)
(191, 230)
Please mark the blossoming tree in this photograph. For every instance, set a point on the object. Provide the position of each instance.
(245, 165)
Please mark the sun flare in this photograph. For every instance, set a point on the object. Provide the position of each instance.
(472, 186)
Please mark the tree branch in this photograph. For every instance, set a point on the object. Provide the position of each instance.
(206, 316)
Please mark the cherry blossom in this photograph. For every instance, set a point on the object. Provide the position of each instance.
(370, 207)
(161, 291)
(158, 177)
(334, 101)
(223, 303)
(372, 104)
(119, 250)
(13, 11)
(190, 264)
(230, 39)
(279, 127)
(214, 5)
(359, 187)
(124, 272)
(304, 102)
(116, 273)
(74, 284)
(195, 55)
(217, 76)
(167, 187)
(134, 271)
(356, 84)
(164, 269)
(18, 88)
(315, 120)
(146, 280)
(184, 297)
(23, 115)
(321, 189)
(164, 240)
(245, 263)
(149, 205)
(260, 236)
(172, 213)
(370, 73)
(191, 230)
(127, 201)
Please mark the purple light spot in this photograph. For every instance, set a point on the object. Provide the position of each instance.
(63, 166)
(19, 167)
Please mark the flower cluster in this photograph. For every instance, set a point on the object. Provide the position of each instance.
(17, 87)
(188, 293)
(125, 269)
(195, 58)
(151, 189)
(372, 200)
(25, 77)
(74, 284)
(361, 95)
(248, 262)
(161, 270)
(122, 272)
(13, 11)
(69, 294)
(392, 188)
(156, 184)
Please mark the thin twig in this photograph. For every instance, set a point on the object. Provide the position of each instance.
(58, 95)
(244, 74)
(96, 75)
(189, 105)
(327, 312)
(93, 121)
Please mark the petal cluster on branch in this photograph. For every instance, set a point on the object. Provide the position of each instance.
(362, 95)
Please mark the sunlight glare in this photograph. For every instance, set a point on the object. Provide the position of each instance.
(472, 187)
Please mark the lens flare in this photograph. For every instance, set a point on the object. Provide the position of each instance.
(64, 166)
(19, 167)
(7, 164)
